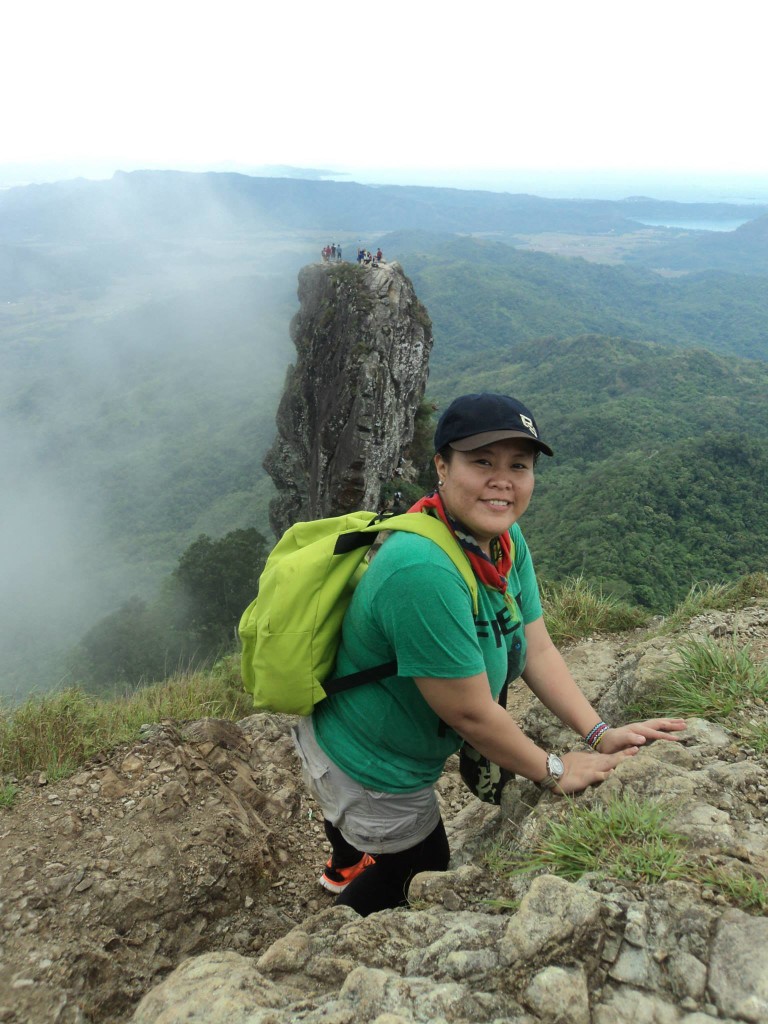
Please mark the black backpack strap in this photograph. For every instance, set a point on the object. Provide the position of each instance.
(367, 675)
(349, 542)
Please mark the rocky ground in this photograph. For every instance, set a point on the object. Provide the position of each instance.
(197, 837)
(197, 845)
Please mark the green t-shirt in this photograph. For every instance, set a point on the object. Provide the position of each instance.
(412, 606)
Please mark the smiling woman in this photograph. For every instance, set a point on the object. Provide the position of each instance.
(371, 755)
(488, 489)
(485, 471)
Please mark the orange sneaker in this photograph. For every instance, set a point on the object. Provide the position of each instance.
(337, 879)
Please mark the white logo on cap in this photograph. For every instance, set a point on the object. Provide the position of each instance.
(528, 422)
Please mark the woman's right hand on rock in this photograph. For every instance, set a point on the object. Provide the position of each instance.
(587, 769)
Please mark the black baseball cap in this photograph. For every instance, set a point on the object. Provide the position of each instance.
(472, 421)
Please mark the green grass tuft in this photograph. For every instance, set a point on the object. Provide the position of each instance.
(629, 840)
(716, 597)
(56, 733)
(626, 839)
(710, 681)
(575, 608)
(8, 794)
(740, 888)
(756, 735)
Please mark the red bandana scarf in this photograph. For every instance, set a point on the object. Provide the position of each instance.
(491, 571)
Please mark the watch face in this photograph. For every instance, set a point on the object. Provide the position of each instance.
(555, 766)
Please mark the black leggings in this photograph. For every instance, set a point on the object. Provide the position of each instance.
(385, 883)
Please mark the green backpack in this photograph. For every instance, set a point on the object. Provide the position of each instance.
(291, 633)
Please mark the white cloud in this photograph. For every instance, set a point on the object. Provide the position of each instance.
(493, 84)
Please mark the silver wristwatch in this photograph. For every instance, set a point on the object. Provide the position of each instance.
(555, 772)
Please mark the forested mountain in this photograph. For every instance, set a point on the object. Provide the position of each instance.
(144, 341)
(660, 475)
(603, 396)
(482, 295)
(653, 521)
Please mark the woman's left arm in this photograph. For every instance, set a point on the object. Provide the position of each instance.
(547, 675)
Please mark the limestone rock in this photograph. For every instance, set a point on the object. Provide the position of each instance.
(233, 989)
(553, 913)
(738, 976)
(560, 995)
(347, 413)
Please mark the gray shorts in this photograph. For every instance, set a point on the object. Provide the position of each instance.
(371, 821)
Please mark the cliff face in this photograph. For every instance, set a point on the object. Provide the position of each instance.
(363, 341)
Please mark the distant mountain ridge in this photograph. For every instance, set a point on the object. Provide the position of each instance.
(743, 251)
(134, 202)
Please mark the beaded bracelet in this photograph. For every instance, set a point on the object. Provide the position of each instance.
(593, 737)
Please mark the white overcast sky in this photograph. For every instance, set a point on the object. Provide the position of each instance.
(672, 85)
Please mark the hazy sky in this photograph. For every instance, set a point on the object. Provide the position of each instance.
(673, 85)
